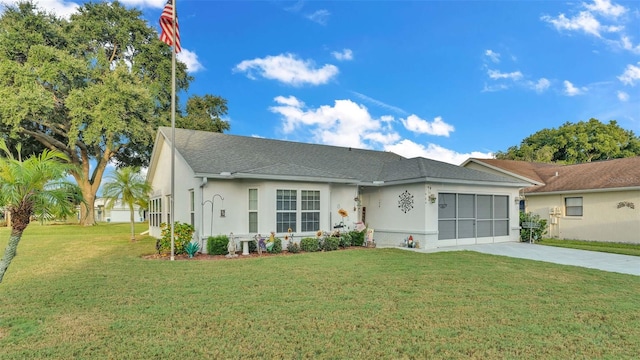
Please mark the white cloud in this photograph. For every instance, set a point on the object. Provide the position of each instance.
(321, 16)
(436, 127)
(541, 85)
(630, 75)
(626, 43)
(605, 7)
(346, 54)
(287, 68)
(296, 6)
(597, 19)
(346, 123)
(493, 88)
(623, 96)
(410, 149)
(64, 8)
(571, 90)
(584, 21)
(495, 75)
(492, 55)
(190, 58)
(289, 101)
(349, 124)
(380, 103)
(59, 7)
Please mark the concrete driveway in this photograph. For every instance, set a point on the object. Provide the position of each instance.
(624, 264)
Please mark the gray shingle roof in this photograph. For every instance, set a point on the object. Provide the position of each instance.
(210, 154)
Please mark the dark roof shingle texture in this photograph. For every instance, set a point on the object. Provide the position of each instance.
(209, 153)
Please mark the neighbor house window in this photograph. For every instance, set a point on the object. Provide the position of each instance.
(310, 210)
(286, 210)
(253, 210)
(192, 206)
(155, 212)
(573, 206)
(462, 216)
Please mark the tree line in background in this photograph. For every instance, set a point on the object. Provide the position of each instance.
(574, 143)
(95, 87)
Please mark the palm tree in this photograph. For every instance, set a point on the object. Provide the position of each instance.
(35, 186)
(128, 186)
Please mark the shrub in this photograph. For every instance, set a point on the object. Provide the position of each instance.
(535, 233)
(293, 248)
(345, 240)
(309, 244)
(217, 245)
(277, 246)
(253, 247)
(330, 243)
(357, 238)
(183, 234)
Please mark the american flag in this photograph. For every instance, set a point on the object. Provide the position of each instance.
(166, 23)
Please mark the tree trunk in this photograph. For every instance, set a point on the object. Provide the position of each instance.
(20, 217)
(87, 215)
(9, 252)
(133, 228)
(89, 184)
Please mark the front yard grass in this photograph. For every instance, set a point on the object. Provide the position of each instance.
(75, 292)
(608, 247)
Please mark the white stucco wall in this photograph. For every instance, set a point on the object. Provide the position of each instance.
(161, 184)
(236, 205)
(392, 225)
(602, 219)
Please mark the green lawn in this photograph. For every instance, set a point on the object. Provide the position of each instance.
(608, 247)
(87, 293)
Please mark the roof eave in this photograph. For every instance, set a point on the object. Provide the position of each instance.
(583, 191)
(238, 175)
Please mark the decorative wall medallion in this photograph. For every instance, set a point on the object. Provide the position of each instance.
(405, 203)
(628, 204)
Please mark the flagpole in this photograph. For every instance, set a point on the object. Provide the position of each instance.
(173, 130)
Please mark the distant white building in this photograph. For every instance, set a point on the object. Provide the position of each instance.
(119, 213)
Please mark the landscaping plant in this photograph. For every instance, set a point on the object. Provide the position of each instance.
(183, 234)
(217, 245)
(309, 244)
(532, 233)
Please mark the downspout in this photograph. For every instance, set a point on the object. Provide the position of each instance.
(202, 185)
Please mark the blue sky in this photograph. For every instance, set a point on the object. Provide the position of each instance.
(445, 80)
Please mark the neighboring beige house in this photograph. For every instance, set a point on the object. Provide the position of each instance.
(247, 185)
(597, 201)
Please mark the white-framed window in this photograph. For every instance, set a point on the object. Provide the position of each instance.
(155, 212)
(286, 210)
(309, 210)
(573, 206)
(253, 210)
(192, 207)
(463, 216)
